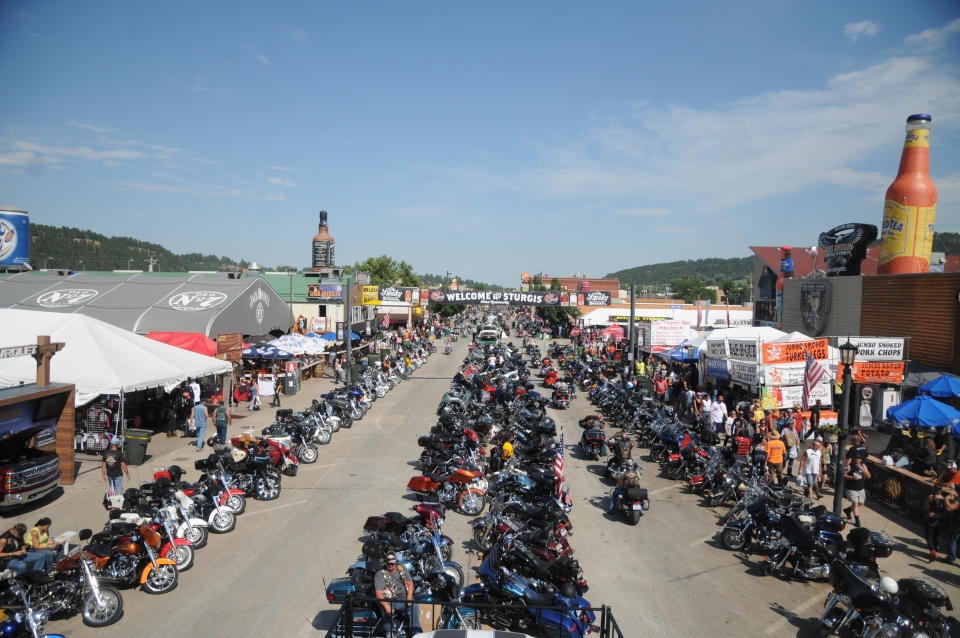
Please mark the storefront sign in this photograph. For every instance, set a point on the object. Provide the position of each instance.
(511, 297)
(878, 348)
(743, 349)
(717, 349)
(395, 294)
(597, 298)
(795, 351)
(668, 333)
(845, 247)
(318, 324)
(717, 368)
(230, 346)
(18, 351)
(744, 372)
(874, 372)
(787, 396)
(788, 374)
(370, 295)
(325, 291)
(626, 318)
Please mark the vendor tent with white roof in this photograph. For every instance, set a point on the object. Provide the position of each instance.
(99, 358)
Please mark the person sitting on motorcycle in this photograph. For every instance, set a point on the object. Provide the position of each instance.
(630, 479)
(393, 582)
(621, 448)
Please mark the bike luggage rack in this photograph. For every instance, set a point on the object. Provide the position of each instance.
(345, 625)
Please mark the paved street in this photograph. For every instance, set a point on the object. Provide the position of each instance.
(666, 576)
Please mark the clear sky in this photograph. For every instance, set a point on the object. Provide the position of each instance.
(484, 138)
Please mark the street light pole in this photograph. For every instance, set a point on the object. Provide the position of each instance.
(347, 329)
(848, 355)
(633, 329)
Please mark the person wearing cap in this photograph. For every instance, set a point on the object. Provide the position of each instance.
(776, 451)
(112, 467)
(393, 582)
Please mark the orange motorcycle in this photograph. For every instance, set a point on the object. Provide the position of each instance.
(455, 489)
(127, 554)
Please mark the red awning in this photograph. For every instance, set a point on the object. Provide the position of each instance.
(192, 341)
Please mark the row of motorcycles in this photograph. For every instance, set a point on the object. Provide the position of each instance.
(529, 579)
(797, 540)
(154, 530)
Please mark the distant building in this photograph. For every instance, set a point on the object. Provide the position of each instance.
(577, 283)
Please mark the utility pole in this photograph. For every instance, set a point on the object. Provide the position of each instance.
(347, 329)
(151, 263)
(633, 331)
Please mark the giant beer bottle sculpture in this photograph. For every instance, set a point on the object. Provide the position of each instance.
(910, 207)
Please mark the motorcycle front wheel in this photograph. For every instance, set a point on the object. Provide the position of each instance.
(471, 504)
(110, 612)
(161, 580)
(223, 523)
(324, 437)
(480, 540)
(183, 555)
(237, 502)
(198, 536)
(308, 454)
(732, 539)
(346, 421)
(267, 486)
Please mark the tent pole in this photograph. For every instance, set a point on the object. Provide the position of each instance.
(121, 426)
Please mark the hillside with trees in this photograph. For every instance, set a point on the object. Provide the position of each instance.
(76, 249)
(711, 269)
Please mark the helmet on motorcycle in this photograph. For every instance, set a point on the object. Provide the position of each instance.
(568, 590)
(175, 472)
(529, 386)
(889, 585)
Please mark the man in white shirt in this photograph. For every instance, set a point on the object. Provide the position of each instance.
(195, 390)
(492, 362)
(718, 414)
(707, 406)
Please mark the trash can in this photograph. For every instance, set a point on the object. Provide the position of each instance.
(373, 360)
(135, 445)
(355, 370)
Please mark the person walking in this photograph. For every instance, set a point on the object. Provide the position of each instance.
(935, 509)
(200, 422)
(811, 466)
(855, 475)
(791, 440)
(776, 451)
(254, 395)
(222, 418)
(718, 415)
(338, 370)
(275, 401)
(112, 468)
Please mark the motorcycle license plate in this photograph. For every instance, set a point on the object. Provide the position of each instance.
(637, 506)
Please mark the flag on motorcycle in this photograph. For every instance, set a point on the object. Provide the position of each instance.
(812, 375)
(558, 468)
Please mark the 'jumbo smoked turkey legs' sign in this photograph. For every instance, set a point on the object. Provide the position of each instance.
(502, 297)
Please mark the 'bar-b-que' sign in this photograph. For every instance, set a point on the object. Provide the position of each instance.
(511, 297)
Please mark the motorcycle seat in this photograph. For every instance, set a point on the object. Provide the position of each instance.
(536, 599)
(398, 518)
(36, 578)
(101, 550)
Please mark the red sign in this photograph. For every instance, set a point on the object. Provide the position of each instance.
(795, 351)
(874, 372)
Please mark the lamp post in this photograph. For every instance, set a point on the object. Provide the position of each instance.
(848, 354)
(347, 328)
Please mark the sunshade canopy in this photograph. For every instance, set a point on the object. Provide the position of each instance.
(192, 341)
(925, 411)
(945, 386)
(97, 357)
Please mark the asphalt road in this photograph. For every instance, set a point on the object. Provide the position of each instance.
(665, 576)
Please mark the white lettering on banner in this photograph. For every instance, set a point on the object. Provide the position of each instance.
(744, 372)
(66, 297)
(717, 349)
(878, 348)
(717, 368)
(668, 333)
(783, 374)
(196, 300)
(744, 349)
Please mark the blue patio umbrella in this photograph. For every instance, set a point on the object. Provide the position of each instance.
(925, 411)
(329, 336)
(943, 386)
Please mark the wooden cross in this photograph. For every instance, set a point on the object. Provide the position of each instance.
(45, 351)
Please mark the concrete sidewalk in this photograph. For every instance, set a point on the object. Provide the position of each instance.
(80, 505)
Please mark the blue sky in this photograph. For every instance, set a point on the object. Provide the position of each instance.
(481, 138)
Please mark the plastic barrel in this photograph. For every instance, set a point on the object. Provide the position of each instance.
(135, 445)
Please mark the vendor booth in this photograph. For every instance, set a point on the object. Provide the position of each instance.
(122, 379)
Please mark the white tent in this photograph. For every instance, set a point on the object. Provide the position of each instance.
(99, 358)
(762, 333)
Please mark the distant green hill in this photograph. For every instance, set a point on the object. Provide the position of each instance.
(711, 269)
(73, 248)
(948, 243)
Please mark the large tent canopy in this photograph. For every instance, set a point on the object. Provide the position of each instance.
(192, 341)
(97, 357)
(206, 303)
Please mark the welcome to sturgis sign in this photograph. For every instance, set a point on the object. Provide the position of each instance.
(497, 297)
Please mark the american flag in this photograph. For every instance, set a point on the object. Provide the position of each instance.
(812, 375)
(558, 468)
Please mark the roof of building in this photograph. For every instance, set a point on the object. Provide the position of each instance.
(207, 303)
(803, 263)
